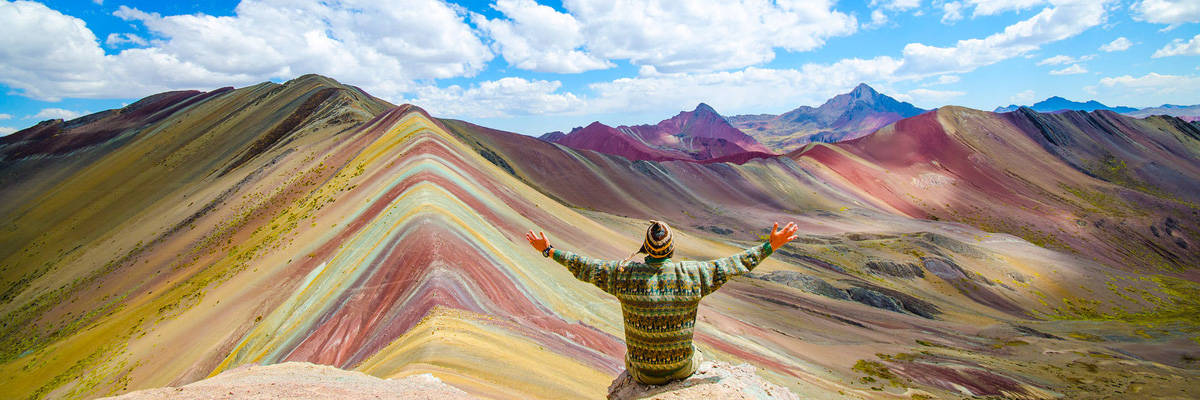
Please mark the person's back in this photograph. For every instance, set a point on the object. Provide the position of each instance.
(659, 297)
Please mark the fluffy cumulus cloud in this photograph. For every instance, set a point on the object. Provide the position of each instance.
(1023, 97)
(367, 43)
(1155, 82)
(1071, 70)
(118, 39)
(933, 98)
(1160, 88)
(52, 113)
(749, 88)
(1170, 12)
(1062, 20)
(500, 98)
(754, 88)
(701, 36)
(1179, 47)
(952, 12)
(993, 7)
(947, 79)
(899, 5)
(538, 38)
(5, 131)
(1062, 59)
(1118, 44)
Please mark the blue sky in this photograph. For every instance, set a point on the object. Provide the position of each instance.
(533, 67)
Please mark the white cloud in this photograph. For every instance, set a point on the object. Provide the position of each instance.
(1170, 12)
(374, 45)
(753, 88)
(1062, 59)
(1119, 44)
(947, 79)
(897, 5)
(1153, 88)
(1178, 47)
(1051, 24)
(538, 38)
(1072, 70)
(5, 131)
(98, 2)
(52, 113)
(676, 36)
(117, 39)
(5, 116)
(993, 7)
(951, 12)
(735, 91)
(500, 98)
(878, 19)
(1023, 97)
(933, 98)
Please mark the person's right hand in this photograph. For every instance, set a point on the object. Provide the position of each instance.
(781, 237)
(539, 243)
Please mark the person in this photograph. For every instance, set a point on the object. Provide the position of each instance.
(659, 297)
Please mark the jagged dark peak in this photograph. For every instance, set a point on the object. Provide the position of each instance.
(704, 108)
(863, 90)
(552, 136)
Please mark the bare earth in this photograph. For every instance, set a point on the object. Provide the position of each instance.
(713, 380)
(301, 380)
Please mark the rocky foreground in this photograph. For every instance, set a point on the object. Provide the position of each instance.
(301, 380)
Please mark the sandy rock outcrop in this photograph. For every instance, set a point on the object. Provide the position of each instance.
(712, 380)
(300, 380)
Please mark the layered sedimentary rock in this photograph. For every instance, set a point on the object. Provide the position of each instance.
(196, 233)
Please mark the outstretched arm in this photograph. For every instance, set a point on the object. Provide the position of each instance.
(596, 272)
(716, 272)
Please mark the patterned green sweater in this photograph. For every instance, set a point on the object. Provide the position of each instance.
(659, 300)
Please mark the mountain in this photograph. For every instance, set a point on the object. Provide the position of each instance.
(1187, 113)
(698, 135)
(1056, 104)
(955, 253)
(552, 136)
(1032, 174)
(845, 116)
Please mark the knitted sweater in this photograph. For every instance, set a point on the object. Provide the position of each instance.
(659, 300)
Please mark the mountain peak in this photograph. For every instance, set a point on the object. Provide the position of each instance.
(704, 108)
(863, 90)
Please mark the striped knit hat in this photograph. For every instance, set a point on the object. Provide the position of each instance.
(658, 240)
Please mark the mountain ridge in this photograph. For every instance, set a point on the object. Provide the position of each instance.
(1057, 103)
(955, 253)
(846, 116)
(698, 135)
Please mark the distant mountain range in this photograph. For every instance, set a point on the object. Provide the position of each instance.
(1055, 104)
(845, 116)
(1187, 113)
(698, 135)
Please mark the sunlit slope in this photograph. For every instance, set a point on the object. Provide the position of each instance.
(1100, 185)
(390, 242)
(935, 280)
(137, 213)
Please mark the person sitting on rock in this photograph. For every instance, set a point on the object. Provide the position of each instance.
(659, 297)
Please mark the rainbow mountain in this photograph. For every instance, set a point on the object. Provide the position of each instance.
(955, 253)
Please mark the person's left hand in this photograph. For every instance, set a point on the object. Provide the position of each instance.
(782, 237)
(539, 243)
